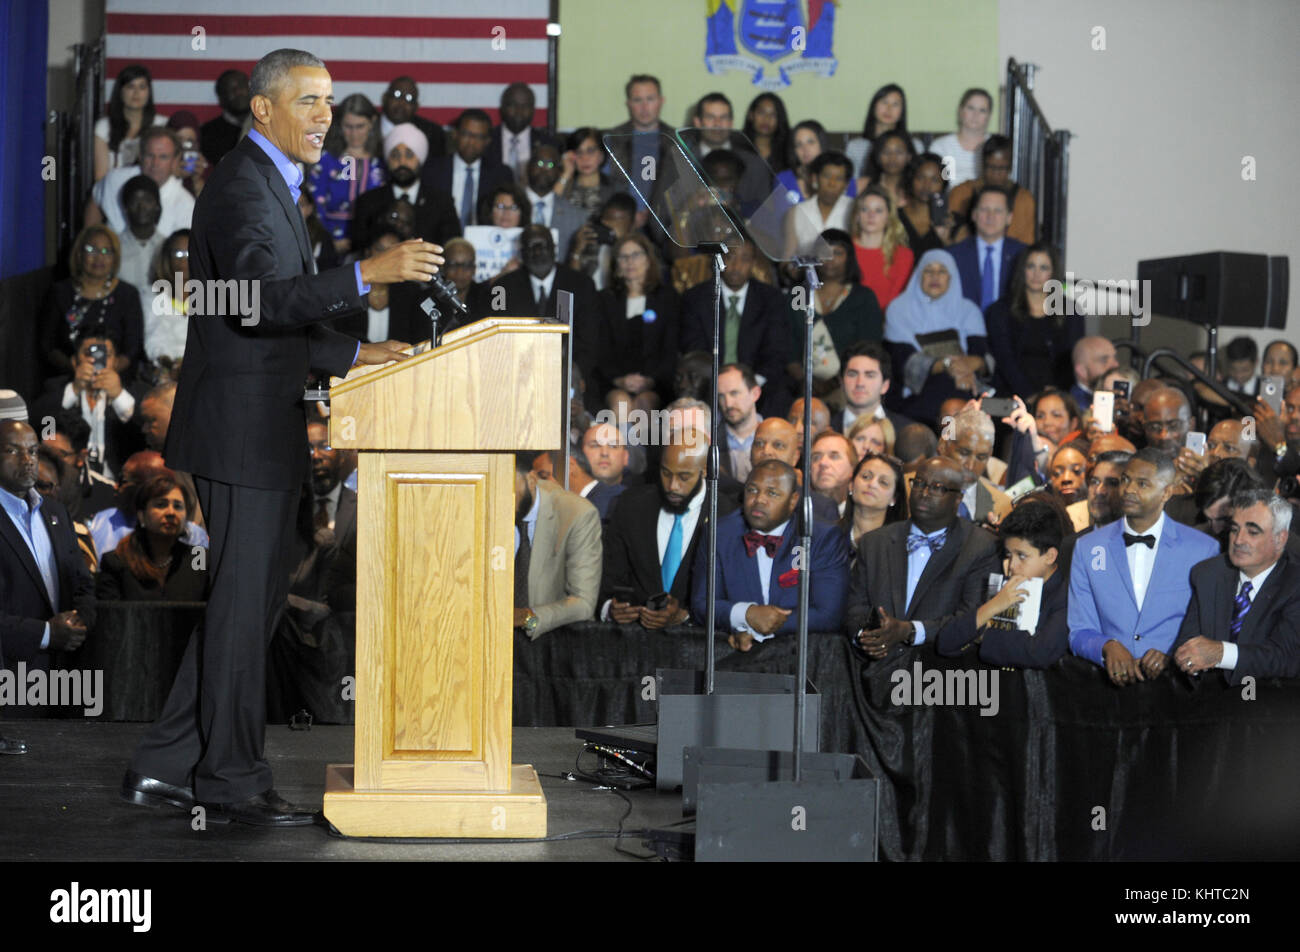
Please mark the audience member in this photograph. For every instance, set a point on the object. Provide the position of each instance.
(767, 126)
(48, 602)
(757, 581)
(846, 313)
(986, 260)
(130, 112)
(1128, 628)
(583, 184)
(831, 466)
(639, 326)
(152, 562)
(880, 245)
(352, 163)
(436, 218)
(916, 442)
(886, 112)
(868, 434)
(1240, 363)
(516, 140)
(548, 207)
(885, 164)
(635, 141)
(222, 133)
(968, 444)
(925, 215)
(1031, 347)
(777, 439)
(1280, 360)
(1103, 497)
(141, 240)
(807, 141)
(738, 395)
(53, 483)
(86, 491)
(191, 167)
(1166, 418)
(166, 321)
(1031, 537)
(1244, 613)
(865, 373)
(109, 526)
(401, 104)
(467, 175)
(961, 150)
(997, 171)
(877, 496)
(606, 453)
(557, 553)
(591, 250)
(912, 578)
(160, 150)
(821, 419)
(652, 538)
(1092, 357)
(1208, 507)
(1056, 416)
(1067, 474)
(829, 206)
(92, 297)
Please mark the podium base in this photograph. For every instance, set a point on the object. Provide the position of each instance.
(519, 812)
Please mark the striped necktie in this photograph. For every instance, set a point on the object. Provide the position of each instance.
(1240, 607)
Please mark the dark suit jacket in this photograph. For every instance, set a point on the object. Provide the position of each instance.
(435, 214)
(764, 341)
(536, 136)
(490, 175)
(621, 149)
(1006, 344)
(121, 439)
(952, 584)
(182, 584)
(632, 547)
(406, 322)
(1041, 648)
(341, 586)
(24, 603)
(238, 415)
(738, 579)
(636, 345)
(1269, 643)
(436, 136)
(603, 496)
(969, 266)
(519, 302)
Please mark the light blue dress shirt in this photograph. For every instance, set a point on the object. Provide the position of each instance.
(26, 516)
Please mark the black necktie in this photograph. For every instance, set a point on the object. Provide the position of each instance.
(522, 558)
(542, 297)
(1147, 540)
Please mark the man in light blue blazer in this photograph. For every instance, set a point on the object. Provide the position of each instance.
(1130, 582)
(758, 568)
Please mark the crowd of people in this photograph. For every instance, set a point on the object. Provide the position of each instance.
(932, 516)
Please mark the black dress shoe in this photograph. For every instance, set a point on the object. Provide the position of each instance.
(12, 746)
(265, 809)
(148, 792)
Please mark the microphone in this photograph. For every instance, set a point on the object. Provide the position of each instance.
(447, 291)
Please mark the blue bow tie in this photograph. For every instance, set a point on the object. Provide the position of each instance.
(935, 542)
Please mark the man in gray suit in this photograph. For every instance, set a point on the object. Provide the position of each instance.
(557, 553)
(549, 207)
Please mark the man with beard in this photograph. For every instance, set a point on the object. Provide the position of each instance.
(738, 394)
(1129, 589)
(530, 292)
(652, 538)
(757, 589)
(405, 149)
(557, 553)
(219, 135)
(1103, 487)
(549, 208)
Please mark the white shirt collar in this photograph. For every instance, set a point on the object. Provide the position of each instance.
(1156, 530)
(544, 283)
(1257, 582)
(741, 294)
(411, 191)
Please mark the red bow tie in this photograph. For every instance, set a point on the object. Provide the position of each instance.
(756, 540)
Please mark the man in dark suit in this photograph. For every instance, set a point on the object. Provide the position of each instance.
(401, 104)
(986, 259)
(757, 590)
(652, 537)
(469, 174)
(755, 326)
(1244, 616)
(401, 302)
(865, 378)
(219, 135)
(636, 140)
(405, 148)
(548, 207)
(606, 454)
(238, 425)
(922, 573)
(47, 600)
(776, 438)
(530, 291)
(515, 141)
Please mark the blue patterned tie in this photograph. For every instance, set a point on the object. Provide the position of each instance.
(672, 555)
(935, 542)
(987, 295)
(964, 511)
(467, 200)
(1242, 605)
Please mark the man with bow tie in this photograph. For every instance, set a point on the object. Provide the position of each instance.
(912, 578)
(1130, 580)
(759, 562)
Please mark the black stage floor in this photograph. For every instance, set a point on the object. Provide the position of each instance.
(60, 802)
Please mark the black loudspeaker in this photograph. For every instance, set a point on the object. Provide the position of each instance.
(1219, 288)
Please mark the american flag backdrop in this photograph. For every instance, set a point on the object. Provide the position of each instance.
(461, 54)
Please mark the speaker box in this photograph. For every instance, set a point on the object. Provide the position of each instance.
(1220, 288)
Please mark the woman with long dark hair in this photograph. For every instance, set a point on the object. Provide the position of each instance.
(884, 168)
(636, 342)
(583, 183)
(767, 125)
(877, 496)
(130, 112)
(923, 185)
(807, 141)
(886, 113)
(151, 563)
(1031, 349)
(351, 163)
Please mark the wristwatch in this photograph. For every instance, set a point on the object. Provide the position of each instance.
(531, 621)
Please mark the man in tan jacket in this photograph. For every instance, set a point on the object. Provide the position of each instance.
(557, 553)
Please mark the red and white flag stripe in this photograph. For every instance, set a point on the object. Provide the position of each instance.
(458, 61)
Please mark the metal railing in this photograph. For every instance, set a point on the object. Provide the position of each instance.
(75, 142)
(1040, 156)
(1167, 355)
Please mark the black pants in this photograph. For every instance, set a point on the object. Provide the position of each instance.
(212, 730)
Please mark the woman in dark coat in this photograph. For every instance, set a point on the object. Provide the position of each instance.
(152, 563)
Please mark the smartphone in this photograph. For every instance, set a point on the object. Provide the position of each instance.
(98, 356)
(1271, 390)
(938, 208)
(604, 234)
(657, 603)
(622, 593)
(1196, 443)
(1103, 410)
(998, 407)
(1120, 389)
(189, 160)
(874, 621)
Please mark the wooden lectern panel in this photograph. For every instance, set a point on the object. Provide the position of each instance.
(434, 547)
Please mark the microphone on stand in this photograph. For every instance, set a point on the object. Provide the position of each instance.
(445, 290)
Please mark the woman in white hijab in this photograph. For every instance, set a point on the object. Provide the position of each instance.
(933, 302)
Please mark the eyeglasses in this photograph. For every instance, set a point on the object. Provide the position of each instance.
(544, 163)
(408, 97)
(938, 489)
(180, 254)
(1162, 426)
(92, 250)
(502, 207)
(630, 256)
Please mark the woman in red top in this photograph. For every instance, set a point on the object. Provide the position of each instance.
(880, 244)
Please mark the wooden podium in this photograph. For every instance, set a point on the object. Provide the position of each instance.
(435, 581)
